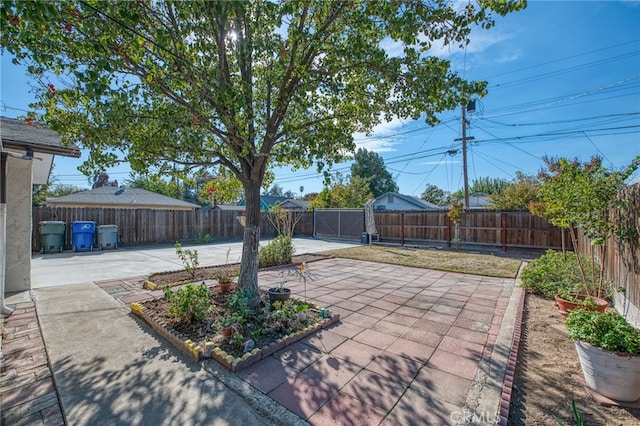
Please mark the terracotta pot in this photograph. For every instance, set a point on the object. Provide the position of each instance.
(616, 376)
(228, 331)
(566, 306)
(276, 294)
(224, 287)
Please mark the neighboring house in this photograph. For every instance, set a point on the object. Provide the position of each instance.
(395, 201)
(120, 198)
(267, 201)
(477, 200)
(295, 205)
(28, 150)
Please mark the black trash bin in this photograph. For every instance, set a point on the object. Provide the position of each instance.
(364, 238)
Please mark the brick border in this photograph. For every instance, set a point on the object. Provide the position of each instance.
(209, 350)
(507, 387)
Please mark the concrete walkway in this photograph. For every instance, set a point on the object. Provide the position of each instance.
(414, 347)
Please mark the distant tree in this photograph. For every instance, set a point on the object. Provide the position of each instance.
(370, 166)
(53, 190)
(151, 182)
(289, 194)
(488, 185)
(343, 194)
(435, 195)
(224, 187)
(310, 196)
(275, 191)
(517, 194)
(100, 180)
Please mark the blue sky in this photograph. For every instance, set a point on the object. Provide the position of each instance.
(564, 80)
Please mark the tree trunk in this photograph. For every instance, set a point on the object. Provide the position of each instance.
(248, 279)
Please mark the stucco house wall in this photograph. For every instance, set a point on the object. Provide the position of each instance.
(18, 255)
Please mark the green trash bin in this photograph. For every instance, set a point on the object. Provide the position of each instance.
(52, 236)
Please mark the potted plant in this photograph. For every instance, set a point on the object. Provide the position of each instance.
(567, 301)
(279, 293)
(608, 348)
(580, 196)
(225, 280)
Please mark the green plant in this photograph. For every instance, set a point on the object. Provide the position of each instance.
(575, 195)
(191, 303)
(238, 303)
(189, 258)
(576, 414)
(224, 276)
(236, 340)
(456, 212)
(201, 238)
(554, 273)
(607, 330)
(278, 251)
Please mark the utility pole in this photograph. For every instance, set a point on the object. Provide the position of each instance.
(464, 140)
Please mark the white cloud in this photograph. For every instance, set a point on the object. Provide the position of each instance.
(381, 139)
(481, 40)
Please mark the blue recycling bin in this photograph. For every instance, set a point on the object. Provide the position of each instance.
(82, 235)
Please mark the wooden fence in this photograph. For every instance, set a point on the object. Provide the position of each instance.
(147, 226)
(622, 259)
(503, 229)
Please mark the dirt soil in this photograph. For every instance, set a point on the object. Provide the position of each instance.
(209, 330)
(210, 272)
(544, 385)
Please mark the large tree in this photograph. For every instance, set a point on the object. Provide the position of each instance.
(370, 166)
(243, 85)
(435, 195)
(341, 193)
(518, 194)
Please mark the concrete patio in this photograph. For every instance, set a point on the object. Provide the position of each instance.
(413, 346)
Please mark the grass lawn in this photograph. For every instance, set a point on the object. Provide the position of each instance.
(444, 260)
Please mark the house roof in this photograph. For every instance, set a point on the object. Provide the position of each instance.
(18, 134)
(302, 204)
(420, 203)
(267, 201)
(111, 195)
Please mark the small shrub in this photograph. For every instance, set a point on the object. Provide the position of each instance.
(191, 303)
(202, 238)
(553, 273)
(606, 330)
(279, 251)
(189, 258)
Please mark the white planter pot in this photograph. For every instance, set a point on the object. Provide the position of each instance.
(614, 376)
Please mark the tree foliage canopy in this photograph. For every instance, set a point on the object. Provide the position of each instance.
(344, 194)
(370, 166)
(243, 84)
(434, 194)
(517, 194)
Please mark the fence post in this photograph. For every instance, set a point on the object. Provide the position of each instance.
(447, 230)
(503, 231)
(402, 228)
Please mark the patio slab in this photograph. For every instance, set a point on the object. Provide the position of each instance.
(409, 349)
